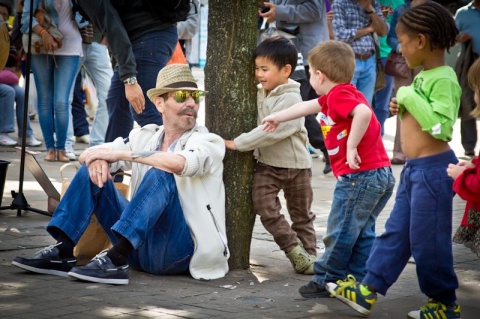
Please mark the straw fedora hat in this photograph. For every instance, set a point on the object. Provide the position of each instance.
(173, 77)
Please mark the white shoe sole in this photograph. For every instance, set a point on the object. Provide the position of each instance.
(41, 270)
(98, 280)
(331, 289)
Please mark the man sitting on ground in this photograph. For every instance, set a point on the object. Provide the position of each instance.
(175, 221)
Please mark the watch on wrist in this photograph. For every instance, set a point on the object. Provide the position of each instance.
(130, 81)
(369, 12)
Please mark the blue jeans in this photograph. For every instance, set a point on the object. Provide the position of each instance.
(12, 97)
(152, 51)
(365, 76)
(420, 225)
(382, 99)
(153, 221)
(54, 84)
(358, 199)
(98, 66)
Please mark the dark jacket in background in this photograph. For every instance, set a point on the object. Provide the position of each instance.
(465, 60)
(122, 21)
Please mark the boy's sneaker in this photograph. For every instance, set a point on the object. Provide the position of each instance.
(46, 261)
(301, 261)
(436, 310)
(101, 269)
(6, 140)
(353, 294)
(313, 290)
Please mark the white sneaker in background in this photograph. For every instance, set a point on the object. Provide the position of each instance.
(69, 152)
(6, 140)
(84, 139)
(30, 141)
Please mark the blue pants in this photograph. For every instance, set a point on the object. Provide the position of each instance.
(358, 199)
(12, 98)
(153, 221)
(79, 114)
(54, 84)
(365, 76)
(420, 225)
(382, 99)
(152, 52)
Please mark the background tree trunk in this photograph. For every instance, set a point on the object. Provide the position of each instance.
(231, 110)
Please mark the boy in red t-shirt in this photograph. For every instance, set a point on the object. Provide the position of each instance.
(358, 158)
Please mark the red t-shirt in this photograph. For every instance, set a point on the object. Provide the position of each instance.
(336, 123)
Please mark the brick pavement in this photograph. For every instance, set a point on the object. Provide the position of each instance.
(267, 290)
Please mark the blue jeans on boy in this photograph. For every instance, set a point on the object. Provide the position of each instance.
(153, 221)
(358, 199)
(365, 76)
(13, 97)
(152, 52)
(420, 225)
(54, 85)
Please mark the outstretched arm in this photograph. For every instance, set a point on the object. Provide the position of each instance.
(297, 110)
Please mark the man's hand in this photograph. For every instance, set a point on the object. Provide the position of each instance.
(134, 95)
(353, 159)
(463, 37)
(393, 106)
(230, 145)
(270, 124)
(99, 172)
(100, 153)
(270, 15)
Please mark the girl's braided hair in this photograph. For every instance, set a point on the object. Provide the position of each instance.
(434, 20)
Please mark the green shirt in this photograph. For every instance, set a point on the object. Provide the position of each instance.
(387, 8)
(433, 99)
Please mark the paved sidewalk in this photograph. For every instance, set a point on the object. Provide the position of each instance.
(267, 290)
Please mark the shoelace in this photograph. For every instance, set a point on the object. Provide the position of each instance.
(343, 284)
(48, 249)
(101, 257)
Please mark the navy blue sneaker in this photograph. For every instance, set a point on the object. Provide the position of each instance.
(101, 269)
(435, 309)
(46, 261)
(353, 294)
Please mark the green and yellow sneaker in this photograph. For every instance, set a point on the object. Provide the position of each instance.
(356, 295)
(436, 310)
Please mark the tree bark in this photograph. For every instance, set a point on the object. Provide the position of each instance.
(231, 110)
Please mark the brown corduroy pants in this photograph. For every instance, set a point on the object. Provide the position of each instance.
(297, 188)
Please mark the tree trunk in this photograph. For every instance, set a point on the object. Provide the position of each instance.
(231, 110)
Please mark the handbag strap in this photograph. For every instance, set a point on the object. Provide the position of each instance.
(375, 43)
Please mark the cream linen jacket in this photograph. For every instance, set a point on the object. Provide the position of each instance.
(200, 188)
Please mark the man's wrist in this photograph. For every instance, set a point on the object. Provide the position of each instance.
(130, 81)
(369, 11)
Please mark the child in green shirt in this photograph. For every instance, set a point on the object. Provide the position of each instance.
(420, 224)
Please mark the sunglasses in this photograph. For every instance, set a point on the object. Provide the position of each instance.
(181, 96)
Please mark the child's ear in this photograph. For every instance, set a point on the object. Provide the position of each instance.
(422, 41)
(288, 69)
